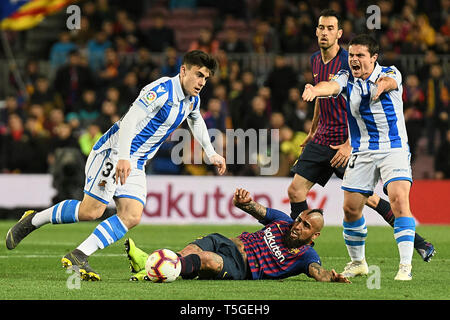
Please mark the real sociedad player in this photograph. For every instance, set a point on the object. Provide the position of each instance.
(115, 168)
(326, 148)
(281, 249)
(380, 150)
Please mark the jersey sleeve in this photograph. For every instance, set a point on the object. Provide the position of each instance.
(341, 78)
(311, 256)
(152, 97)
(275, 215)
(392, 72)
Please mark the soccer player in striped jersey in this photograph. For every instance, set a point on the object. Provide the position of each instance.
(281, 249)
(326, 148)
(380, 149)
(115, 168)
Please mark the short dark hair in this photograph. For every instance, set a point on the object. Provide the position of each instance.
(201, 59)
(331, 13)
(368, 41)
(319, 210)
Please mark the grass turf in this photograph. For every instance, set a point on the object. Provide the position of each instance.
(33, 270)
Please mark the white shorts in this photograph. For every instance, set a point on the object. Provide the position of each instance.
(364, 170)
(100, 169)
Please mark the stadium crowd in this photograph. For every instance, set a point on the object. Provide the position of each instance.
(98, 71)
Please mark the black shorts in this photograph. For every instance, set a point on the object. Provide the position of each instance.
(234, 267)
(314, 164)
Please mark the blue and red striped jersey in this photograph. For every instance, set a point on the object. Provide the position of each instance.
(268, 257)
(332, 127)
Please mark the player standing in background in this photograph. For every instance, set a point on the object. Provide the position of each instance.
(282, 248)
(120, 155)
(380, 150)
(327, 148)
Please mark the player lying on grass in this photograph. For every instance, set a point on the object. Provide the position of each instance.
(281, 249)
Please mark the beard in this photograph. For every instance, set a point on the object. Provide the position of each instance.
(291, 243)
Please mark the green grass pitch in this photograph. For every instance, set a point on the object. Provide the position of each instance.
(33, 270)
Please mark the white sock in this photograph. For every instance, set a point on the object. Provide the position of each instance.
(63, 212)
(355, 234)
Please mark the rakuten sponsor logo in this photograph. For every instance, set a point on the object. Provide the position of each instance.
(210, 206)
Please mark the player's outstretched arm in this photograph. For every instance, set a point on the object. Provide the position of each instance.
(322, 89)
(320, 274)
(243, 200)
(384, 84)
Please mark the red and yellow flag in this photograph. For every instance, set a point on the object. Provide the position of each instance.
(25, 14)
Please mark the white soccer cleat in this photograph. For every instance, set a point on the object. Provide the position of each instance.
(404, 272)
(356, 268)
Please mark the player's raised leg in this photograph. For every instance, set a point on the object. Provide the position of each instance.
(404, 226)
(355, 233)
(67, 211)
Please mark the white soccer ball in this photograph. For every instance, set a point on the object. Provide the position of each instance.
(163, 265)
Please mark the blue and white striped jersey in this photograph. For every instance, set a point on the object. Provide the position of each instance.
(374, 125)
(166, 108)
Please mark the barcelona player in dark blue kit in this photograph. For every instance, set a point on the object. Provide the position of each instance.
(326, 148)
(281, 249)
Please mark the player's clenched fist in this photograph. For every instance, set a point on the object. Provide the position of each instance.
(241, 196)
(308, 93)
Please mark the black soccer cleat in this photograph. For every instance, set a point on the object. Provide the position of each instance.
(20, 230)
(77, 261)
(426, 251)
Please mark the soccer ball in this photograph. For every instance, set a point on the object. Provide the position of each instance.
(163, 265)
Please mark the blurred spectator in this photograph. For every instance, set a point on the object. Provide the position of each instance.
(16, 149)
(71, 80)
(429, 59)
(236, 105)
(249, 88)
(442, 159)
(88, 139)
(172, 63)
(256, 118)
(44, 95)
(205, 42)
(88, 108)
(108, 116)
(54, 120)
(159, 36)
(144, 67)
(265, 39)
(11, 107)
(280, 79)
(84, 34)
(214, 117)
(296, 110)
(96, 49)
(38, 141)
(232, 43)
(427, 34)
(289, 37)
(437, 112)
(414, 107)
(31, 75)
(129, 89)
(110, 73)
(60, 50)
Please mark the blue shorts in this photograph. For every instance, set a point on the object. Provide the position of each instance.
(234, 267)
